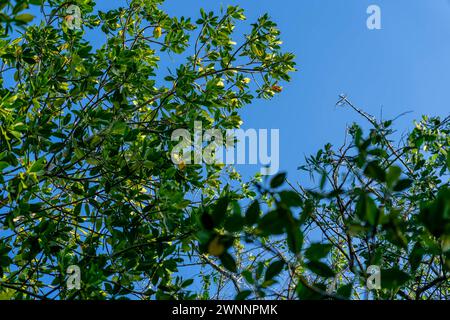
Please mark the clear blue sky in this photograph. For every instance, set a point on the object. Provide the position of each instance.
(403, 67)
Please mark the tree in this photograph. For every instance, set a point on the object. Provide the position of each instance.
(376, 207)
(87, 178)
(86, 174)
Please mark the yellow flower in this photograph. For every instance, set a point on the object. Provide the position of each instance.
(157, 32)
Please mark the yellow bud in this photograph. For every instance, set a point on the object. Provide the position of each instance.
(182, 165)
(277, 89)
(157, 32)
(69, 18)
(220, 84)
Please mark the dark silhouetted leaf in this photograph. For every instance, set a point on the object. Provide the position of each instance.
(320, 268)
(278, 180)
(317, 251)
(228, 262)
(274, 269)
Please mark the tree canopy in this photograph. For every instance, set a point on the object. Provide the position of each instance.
(87, 179)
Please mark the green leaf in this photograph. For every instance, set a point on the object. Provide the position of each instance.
(271, 224)
(403, 185)
(3, 165)
(274, 269)
(291, 198)
(228, 262)
(278, 180)
(317, 251)
(187, 283)
(24, 17)
(320, 268)
(6, 294)
(234, 223)
(374, 171)
(252, 213)
(415, 257)
(247, 274)
(119, 128)
(448, 160)
(306, 293)
(435, 215)
(367, 210)
(243, 295)
(268, 283)
(220, 211)
(207, 221)
(38, 165)
(393, 278)
(393, 175)
(345, 291)
(294, 237)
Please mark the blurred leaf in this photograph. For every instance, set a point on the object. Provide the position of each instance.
(278, 180)
(291, 198)
(403, 185)
(305, 293)
(294, 237)
(252, 213)
(415, 257)
(435, 215)
(393, 175)
(320, 268)
(393, 278)
(24, 17)
(228, 262)
(243, 295)
(317, 251)
(448, 161)
(274, 269)
(374, 171)
(367, 210)
(271, 223)
(345, 291)
(220, 211)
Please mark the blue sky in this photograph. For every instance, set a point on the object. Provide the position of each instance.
(403, 67)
